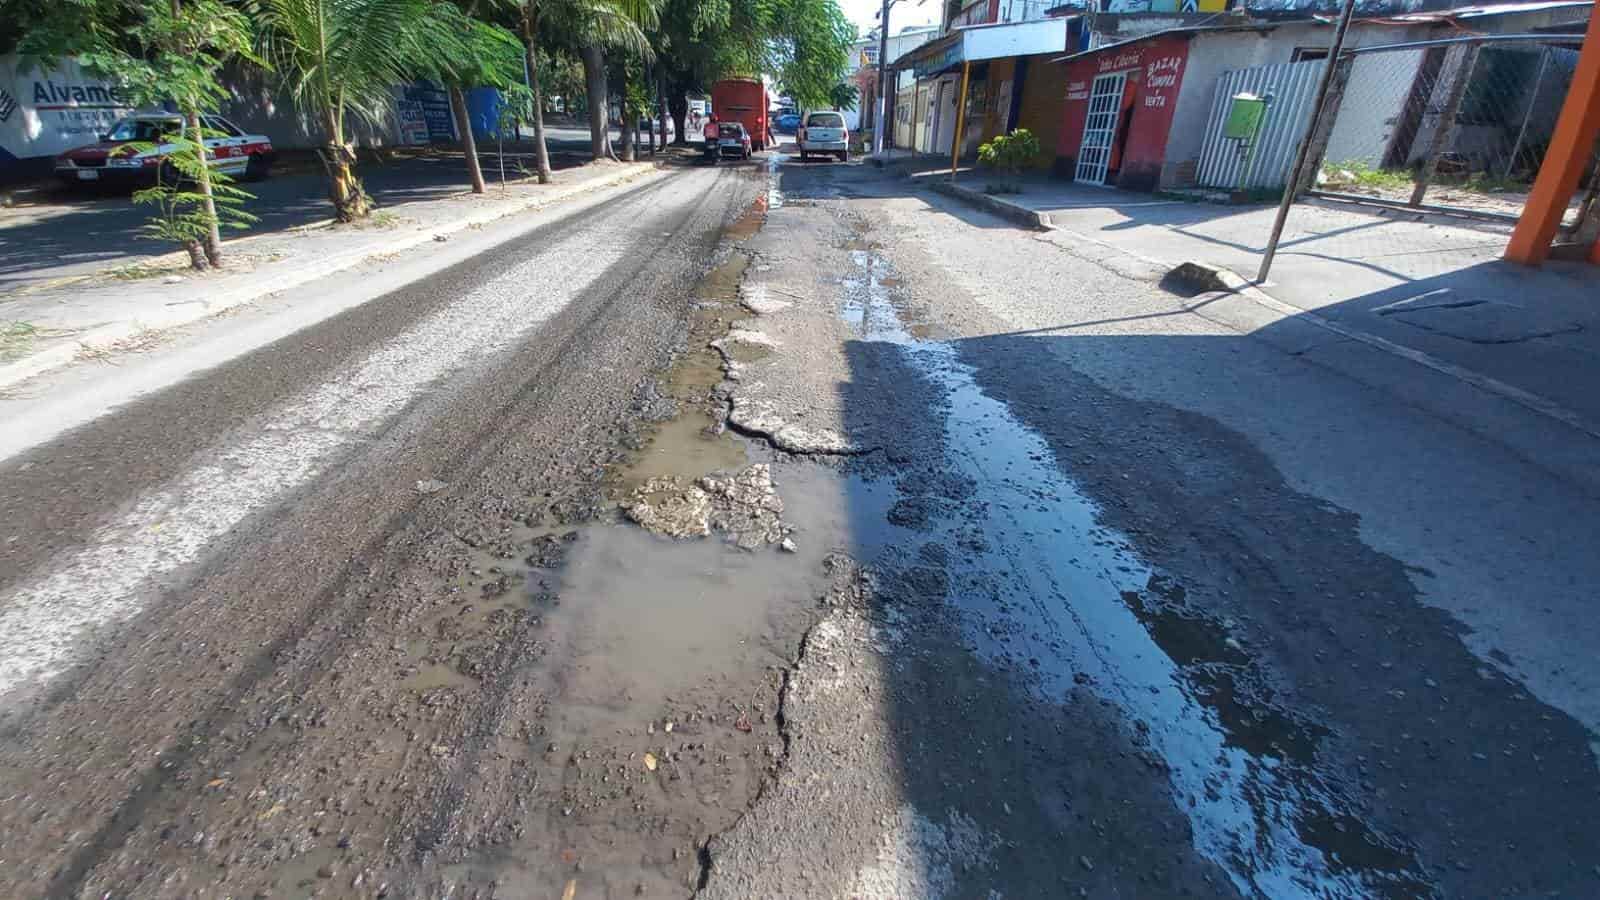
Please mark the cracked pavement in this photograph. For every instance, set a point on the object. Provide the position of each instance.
(785, 530)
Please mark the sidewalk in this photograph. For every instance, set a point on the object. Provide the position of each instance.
(52, 325)
(1433, 284)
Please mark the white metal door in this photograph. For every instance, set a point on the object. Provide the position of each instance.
(1100, 127)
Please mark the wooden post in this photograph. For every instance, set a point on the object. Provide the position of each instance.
(1305, 178)
(1569, 151)
(961, 119)
(1444, 130)
(1319, 108)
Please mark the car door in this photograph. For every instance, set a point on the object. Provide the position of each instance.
(226, 145)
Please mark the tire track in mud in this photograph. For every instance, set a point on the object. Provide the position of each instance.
(299, 656)
(695, 381)
(436, 832)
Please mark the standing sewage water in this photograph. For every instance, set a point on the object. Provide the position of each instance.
(1043, 584)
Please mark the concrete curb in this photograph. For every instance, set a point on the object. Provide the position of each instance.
(1206, 277)
(1027, 218)
(184, 312)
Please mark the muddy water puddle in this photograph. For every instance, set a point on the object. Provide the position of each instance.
(692, 442)
(1042, 586)
(664, 656)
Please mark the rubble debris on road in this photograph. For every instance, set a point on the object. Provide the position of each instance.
(744, 506)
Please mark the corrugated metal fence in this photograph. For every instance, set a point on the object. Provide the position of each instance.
(1292, 88)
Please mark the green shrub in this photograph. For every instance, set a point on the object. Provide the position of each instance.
(1010, 153)
(180, 206)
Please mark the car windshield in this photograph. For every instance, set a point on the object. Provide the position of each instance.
(825, 120)
(221, 126)
(730, 131)
(143, 129)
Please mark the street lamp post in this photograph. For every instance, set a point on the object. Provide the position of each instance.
(880, 120)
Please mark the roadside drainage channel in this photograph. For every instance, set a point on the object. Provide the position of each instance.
(671, 606)
(1044, 587)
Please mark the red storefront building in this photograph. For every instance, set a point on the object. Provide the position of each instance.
(1121, 102)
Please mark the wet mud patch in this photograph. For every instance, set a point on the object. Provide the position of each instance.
(668, 619)
(1040, 582)
(687, 437)
(1431, 773)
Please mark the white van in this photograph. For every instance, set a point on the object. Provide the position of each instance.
(823, 132)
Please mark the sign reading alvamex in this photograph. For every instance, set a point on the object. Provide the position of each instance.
(48, 94)
(44, 112)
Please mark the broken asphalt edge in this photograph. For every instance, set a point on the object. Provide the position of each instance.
(1015, 212)
(1206, 277)
(185, 312)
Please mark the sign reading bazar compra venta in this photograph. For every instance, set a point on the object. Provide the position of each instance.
(44, 112)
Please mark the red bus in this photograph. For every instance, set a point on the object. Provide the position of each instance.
(744, 100)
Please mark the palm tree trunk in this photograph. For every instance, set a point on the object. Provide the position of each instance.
(344, 191)
(661, 108)
(594, 79)
(678, 106)
(469, 144)
(628, 126)
(530, 50)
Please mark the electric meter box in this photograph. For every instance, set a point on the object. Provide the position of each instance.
(1245, 113)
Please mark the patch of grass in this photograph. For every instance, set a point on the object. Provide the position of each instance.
(1484, 183)
(16, 339)
(137, 271)
(1362, 175)
(379, 220)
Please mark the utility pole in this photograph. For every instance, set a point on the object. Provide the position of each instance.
(879, 121)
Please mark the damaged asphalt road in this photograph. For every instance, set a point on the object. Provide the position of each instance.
(787, 531)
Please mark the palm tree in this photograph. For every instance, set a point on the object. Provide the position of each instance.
(492, 62)
(590, 28)
(344, 57)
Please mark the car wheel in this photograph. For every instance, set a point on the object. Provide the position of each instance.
(844, 156)
(258, 167)
(804, 156)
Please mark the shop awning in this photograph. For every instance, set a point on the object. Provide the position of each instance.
(976, 43)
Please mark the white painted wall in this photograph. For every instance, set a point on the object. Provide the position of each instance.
(945, 118)
(1212, 53)
(1016, 39)
(1379, 85)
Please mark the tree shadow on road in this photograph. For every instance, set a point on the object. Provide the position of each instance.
(1129, 638)
(75, 233)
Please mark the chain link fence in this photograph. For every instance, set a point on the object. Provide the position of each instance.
(1457, 126)
(1425, 152)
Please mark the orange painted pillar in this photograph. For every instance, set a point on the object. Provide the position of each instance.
(1570, 146)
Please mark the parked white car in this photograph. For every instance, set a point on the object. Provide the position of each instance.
(823, 132)
(118, 159)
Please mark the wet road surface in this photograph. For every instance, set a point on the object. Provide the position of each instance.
(780, 530)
